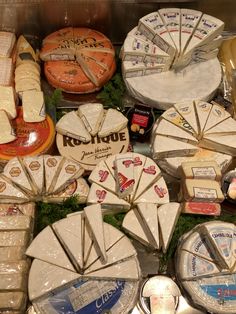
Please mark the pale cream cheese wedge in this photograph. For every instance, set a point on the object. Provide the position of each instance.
(7, 101)
(71, 125)
(102, 176)
(47, 248)
(226, 127)
(168, 215)
(126, 270)
(203, 110)
(45, 278)
(33, 106)
(92, 115)
(157, 193)
(109, 201)
(7, 134)
(69, 171)
(135, 69)
(139, 162)
(150, 173)
(110, 164)
(187, 111)
(111, 235)
(164, 147)
(216, 116)
(121, 250)
(93, 215)
(194, 267)
(51, 166)
(35, 168)
(149, 215)
(133, 225)
(114, 121)
(169, 129)
(69, 232)
(6, 74)
(7, 42)
(87, 241)
(220, 142)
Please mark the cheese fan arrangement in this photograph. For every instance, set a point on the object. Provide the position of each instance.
(91, 120)
(133, 182)
(205, 266)
(171, 56)
(78, 60)
(47, 178)
(83, 264)
(194, 131)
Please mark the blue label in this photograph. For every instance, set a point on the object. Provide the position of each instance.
(221, 292)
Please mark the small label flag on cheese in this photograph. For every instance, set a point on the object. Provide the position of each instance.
(7, 134)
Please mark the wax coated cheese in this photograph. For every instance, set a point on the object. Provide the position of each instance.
(7, 101)
(7, 133)
(33, 106)
(114, 121)
(92, 116)
(201, 170)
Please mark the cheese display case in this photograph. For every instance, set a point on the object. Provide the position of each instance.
(117, 157)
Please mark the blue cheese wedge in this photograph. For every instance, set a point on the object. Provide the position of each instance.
(114, 121)
(45, 278)
(109, 201)
(157, 193)
(7, 101)
(33, 106)
(71, 125)
(92, 115)
(102, 176)
(168, 215)
(7, 134)
(47, 248)
(93, 215)
(69, 232)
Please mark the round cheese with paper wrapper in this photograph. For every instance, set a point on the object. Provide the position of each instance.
(171, 56)
(205, 266)
(85, 266)
(194, 131)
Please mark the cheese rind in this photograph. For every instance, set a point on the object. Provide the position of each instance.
(7, 101)
(12, 301)
(92, 116)
(187, 111)
(216, 116)
(35, 168)
(7, 133)
(33, 106)
(124, 173)
(114, 121)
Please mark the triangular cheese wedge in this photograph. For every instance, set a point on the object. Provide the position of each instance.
(114, 122)
(110, 164)
(187, 111)
(139, 162)
(35, 168)
(7, 133)
(133, 225)
(107, 199)
(168, 129)
(102, 176)
(16, 173)
(220, 142)
(203, 110)
(70, 170)
(148, 212)
(168, 215)
(47, 248)
(87, 241)
(45, 278)
(127, 270)
(51, 166)
(69, 232)
(216, 116)
(93, 214)
(226, 127)
(10, 193)
(124, 173)
(164, 147)
(92, 116)
(71, 125)
(174, 117)
(157, 193)
(121, 250)
(151, 172)
(220, 238)
(194, 267)
(112, 236)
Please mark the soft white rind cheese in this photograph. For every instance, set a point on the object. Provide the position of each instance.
(35, 168)
(33, 106)
(7, 101)
(7, 134)
(114, 121)
(187, 111)
(216, 116)
(92, 116)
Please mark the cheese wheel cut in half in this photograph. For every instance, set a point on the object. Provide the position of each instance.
(78, 60)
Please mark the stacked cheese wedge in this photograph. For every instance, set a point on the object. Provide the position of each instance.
(85, 255)
(7, 94)
(78, 60)
(187, 128)
(16, 231)
(47, 178)
(91, 120)
(206, 266)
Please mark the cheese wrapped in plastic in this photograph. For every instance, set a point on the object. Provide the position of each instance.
(12, 253)
(14, 238)
(12, 301)
(16, 223)
(27, 209)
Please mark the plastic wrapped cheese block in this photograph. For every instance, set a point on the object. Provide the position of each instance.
(12, 301)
